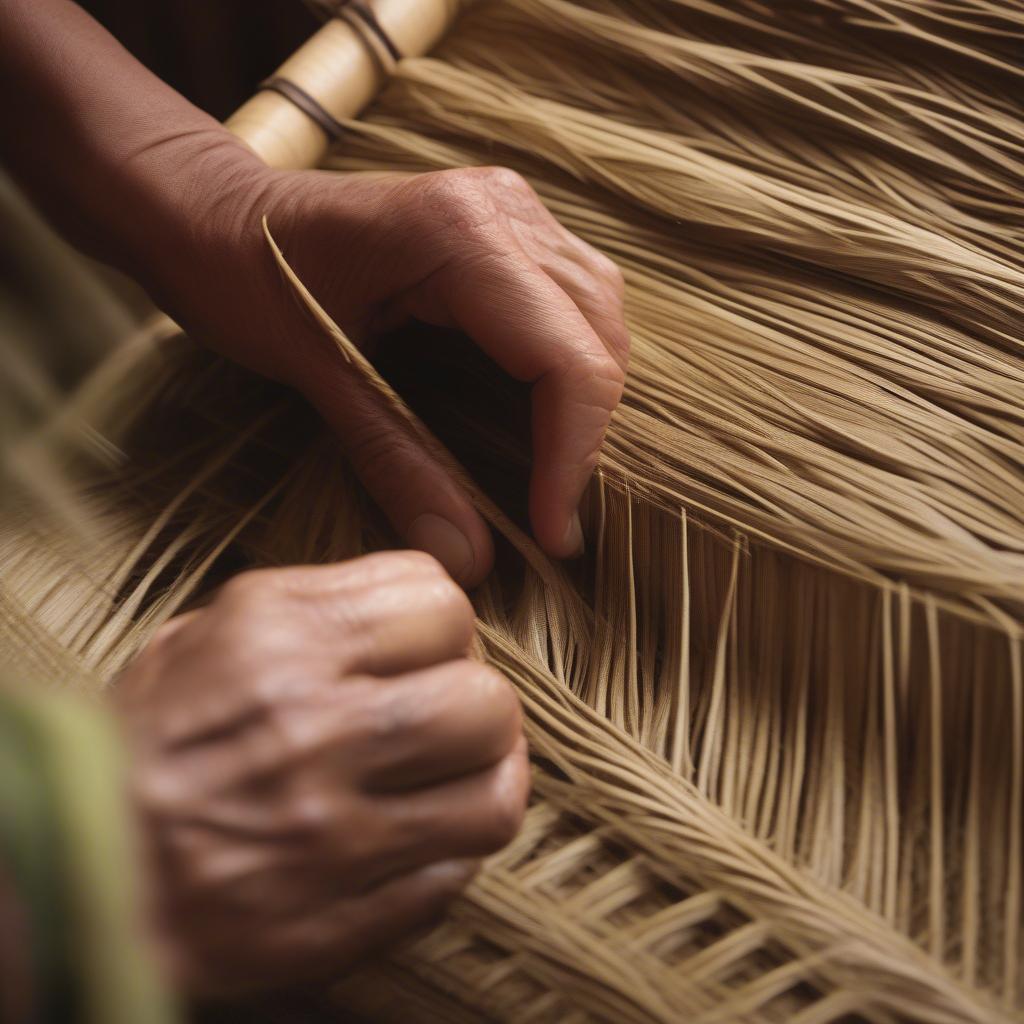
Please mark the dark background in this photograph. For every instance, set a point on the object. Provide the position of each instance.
(214, 51)
(60, 313)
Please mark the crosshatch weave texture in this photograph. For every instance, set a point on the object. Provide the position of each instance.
(777, 714)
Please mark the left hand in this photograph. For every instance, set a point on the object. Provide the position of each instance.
(315, 768)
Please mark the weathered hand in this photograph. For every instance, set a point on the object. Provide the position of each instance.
(316, 766)
(138, 176)
(473, 249)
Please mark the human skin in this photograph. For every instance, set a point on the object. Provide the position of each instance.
(138, 176)
(317, 767)
(313, 779)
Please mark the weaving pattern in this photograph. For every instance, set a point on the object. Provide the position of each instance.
(777, 713)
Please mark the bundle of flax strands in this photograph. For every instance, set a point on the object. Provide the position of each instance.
(777, 714)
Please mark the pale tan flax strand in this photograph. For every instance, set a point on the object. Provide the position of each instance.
(777, 714)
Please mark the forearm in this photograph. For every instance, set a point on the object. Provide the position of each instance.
(124, 165)
(139, 176)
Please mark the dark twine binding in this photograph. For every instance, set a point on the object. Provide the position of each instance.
(309, 106)
(365, 14)
(327, 9)
(323, 10)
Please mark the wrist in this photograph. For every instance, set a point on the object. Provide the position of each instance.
(212, 269)
(185, 205)
(200, 252)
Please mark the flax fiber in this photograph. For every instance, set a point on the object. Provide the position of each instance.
(777, 713)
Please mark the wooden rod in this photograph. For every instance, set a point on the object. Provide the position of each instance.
(334, 75)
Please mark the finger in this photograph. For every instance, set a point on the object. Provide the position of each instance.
(594, 283)
(365, 571)
(175, 625)
(352, 929)
(430, 726)
(425, 506)
(472, 816)
(381, 735)
(386, 615)
(535, 332)
(401, 626)
(142, 675)
(398, 626)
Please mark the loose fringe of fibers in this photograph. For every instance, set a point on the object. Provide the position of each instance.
(777, 717)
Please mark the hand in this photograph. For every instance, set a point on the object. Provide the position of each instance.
(316, 766)
(473, 249)
(140, 177)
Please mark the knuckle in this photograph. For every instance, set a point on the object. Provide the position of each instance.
(295, 732)
(496, 693)
(455, 199)
(605, 369)
(616, 276)
(505, 179)
(310, 813)
(583, 284)
(449, 886)
(598, 375)
(403, 560)
(446, 600)
(247, 645)
(200, 877)
(420, 563)
(504, 818)
(394, 717)
(340, 616)
(248, 592)
(161, 793)
(199, 868)
(165, 633)
(390, 568)
(166, 648)
(608, 269)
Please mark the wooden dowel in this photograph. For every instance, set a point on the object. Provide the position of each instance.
(338, 70)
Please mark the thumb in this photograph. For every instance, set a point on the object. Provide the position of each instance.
(422, 502)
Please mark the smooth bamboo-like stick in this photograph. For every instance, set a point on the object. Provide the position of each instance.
(340, 68)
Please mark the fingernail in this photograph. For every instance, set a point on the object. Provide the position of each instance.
(574, 537)
(445, 541)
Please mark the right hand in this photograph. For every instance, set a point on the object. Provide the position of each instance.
(317, 765)
(473, 249)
